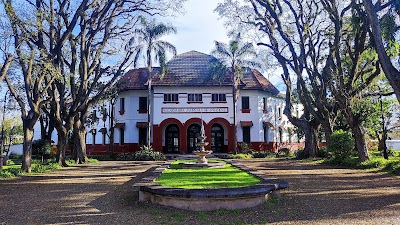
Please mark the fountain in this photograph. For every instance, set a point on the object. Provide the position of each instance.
(202, 152)
(202, 162)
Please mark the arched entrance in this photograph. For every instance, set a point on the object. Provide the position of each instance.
(217, 137)
(193, 132)
(172, 139)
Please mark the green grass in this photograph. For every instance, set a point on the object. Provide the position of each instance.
(227, 177)
(14, 167)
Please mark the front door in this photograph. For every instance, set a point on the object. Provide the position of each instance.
(217, 138)
(172, 139)
(192, 133)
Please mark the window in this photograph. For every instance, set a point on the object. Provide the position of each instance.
(245, 102)
(104, 138)
(122, 106)
(195, 97)
(93, 137)
(142, 104)
(266, 130)
(290, 133)
(171, 98)
(142, 136)
(246, 134)
(121, 136)
(279, 112)
(265, 106)
(218, 97)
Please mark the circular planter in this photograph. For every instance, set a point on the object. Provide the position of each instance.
(209, 199)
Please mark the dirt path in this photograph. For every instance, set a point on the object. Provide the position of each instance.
(102, 194)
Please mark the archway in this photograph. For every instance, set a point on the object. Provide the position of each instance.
(217, 137)
(172, 139)
(193, 132)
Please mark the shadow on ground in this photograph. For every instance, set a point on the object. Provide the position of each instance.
(103, 193)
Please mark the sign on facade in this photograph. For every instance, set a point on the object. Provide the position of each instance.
(194, 110)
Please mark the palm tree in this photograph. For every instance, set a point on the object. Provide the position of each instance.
(235, 54)
(146, 43)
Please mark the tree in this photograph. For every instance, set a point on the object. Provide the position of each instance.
(234, 55)
(146, 43)
(279, 27)
(383, 45)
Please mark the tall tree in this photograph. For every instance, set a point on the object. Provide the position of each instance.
(36, 71)
(280, 28)
(382, 45)
(147, 43)
(235, 55)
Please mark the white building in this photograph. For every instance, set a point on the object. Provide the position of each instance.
(186, 95)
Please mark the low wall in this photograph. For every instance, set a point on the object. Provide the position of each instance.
(210, 199)
(394, 144)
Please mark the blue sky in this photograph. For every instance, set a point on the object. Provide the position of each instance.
(198, 28)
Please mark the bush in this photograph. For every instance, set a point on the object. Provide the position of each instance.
(246, 148)
(41, 147)
(341, 144)
(393, 166)
(263, 154)
(284, 151)
(10, 172)
(300, 153)
(146, 153)
(323, 153)
(240, 156)
(373, 163)
(351, 162)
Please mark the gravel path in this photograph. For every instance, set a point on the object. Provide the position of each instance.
(102, 194)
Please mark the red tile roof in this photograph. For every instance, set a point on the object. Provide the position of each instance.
(193, 69)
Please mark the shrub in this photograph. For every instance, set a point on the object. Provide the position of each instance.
(246, 148)
(373, 163)
(6, 174)
(323, 152)
(284, 151)
(39, 168)
(240, 156)
(263, 154)
(300, 153)
(41, 147)
(146, 153)
(351, 162)
(393, 166)
(341, 144)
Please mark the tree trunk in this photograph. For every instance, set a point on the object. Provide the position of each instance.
(311, 140)
(361, 146)
(80, 142)
(392, 74)
(27, 148)
(61, 146)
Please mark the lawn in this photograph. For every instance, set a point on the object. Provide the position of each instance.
(227, 177)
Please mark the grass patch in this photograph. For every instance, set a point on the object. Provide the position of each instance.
(227, 177)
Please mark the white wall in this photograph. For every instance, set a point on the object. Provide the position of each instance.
(183, 92)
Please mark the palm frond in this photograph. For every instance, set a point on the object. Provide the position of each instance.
(168, 47)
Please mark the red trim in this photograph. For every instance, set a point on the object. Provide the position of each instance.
(246, 110)
(121, 112)
(171, 102)
(142, 111)
(228, 126)
(192, 102)
(157, 132)
(265, 111)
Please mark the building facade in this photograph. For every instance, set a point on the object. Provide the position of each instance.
(183, 98)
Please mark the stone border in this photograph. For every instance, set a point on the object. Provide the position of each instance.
(211, 198)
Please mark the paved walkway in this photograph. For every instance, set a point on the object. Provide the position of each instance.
(102, 194)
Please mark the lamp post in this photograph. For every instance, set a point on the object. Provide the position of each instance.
(2, 132)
